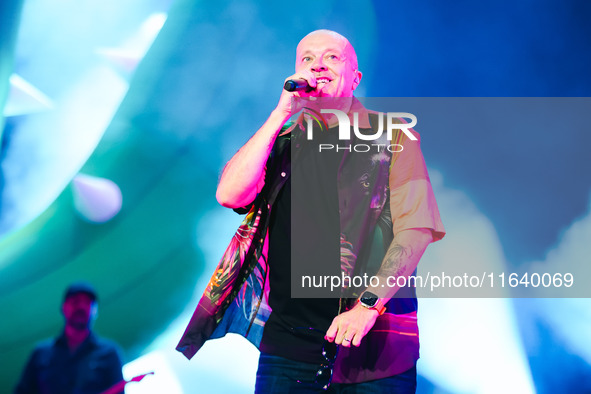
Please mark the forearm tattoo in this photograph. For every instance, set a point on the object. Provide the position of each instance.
(394, 263)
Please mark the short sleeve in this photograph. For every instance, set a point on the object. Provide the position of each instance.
(412, 201)
(270, 165)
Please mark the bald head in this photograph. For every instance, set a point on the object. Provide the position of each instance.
(348, 48)
(328, 58)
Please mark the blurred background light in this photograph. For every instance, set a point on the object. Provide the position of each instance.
(98, 200)
(24, 98)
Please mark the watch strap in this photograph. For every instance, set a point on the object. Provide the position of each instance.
(378, 306)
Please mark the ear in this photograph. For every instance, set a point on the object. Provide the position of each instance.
(357, 79)
(93, 311)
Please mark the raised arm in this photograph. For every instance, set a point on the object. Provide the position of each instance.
(244, 175)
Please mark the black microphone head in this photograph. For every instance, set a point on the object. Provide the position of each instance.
(290, 86)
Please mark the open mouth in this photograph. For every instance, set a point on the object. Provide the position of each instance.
(322, 81)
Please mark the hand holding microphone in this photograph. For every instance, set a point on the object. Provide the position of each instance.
(301, 84)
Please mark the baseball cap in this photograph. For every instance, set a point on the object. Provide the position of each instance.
(80, 287)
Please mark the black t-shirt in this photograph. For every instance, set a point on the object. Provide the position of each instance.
(310, 198)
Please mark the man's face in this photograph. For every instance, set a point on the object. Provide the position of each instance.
(79, 310)
(332, 60)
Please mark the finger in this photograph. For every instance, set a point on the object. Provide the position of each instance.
(347, 339)
(342, 329)
(360, 334)
(356, 340)
(331, 333)
(310, 77)
(339, 336)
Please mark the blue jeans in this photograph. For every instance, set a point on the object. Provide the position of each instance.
(280, 375)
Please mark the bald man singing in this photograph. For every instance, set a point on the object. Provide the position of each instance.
(324, 212)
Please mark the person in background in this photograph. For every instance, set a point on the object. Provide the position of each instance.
(77, 361)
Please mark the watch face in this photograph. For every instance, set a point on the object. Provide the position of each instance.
(369, 299)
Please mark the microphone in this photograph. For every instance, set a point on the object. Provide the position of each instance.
(293, 85)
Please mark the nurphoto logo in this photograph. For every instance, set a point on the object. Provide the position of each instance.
(392, 123)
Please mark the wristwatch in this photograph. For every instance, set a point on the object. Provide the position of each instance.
(372, 301)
